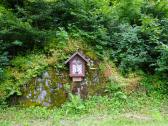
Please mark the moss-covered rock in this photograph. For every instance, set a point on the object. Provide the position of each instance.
(44, 79)
(50, 89)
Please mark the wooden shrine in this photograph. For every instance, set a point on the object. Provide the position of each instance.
(77, 64)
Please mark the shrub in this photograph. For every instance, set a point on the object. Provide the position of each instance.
(25, 68)
(162, 61)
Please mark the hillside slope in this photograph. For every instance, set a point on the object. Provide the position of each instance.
(23, 84)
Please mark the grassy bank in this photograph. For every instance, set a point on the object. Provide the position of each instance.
(134, 110)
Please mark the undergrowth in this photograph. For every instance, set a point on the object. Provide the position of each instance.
(96, 105)
(116, 103)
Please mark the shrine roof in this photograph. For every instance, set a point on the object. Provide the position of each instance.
(80, 55)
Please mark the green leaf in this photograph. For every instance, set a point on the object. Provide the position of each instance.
(17, 42)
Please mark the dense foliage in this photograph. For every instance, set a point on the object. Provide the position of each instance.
(134, 33)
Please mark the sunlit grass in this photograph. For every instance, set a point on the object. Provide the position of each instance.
(101, 111)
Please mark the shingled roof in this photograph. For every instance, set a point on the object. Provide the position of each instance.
(79, 54)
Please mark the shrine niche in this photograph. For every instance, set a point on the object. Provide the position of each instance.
(77, 64)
